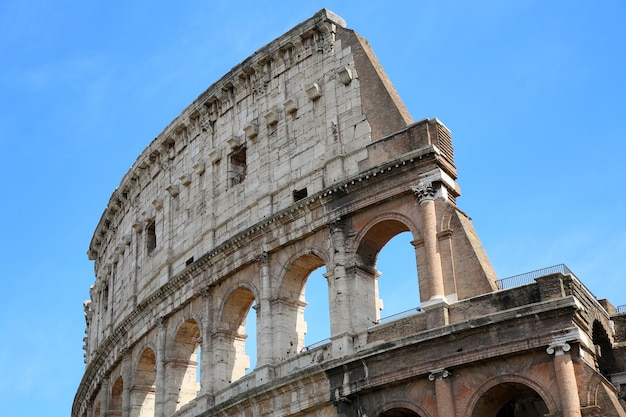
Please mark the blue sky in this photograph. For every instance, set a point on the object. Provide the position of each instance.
(533, 92)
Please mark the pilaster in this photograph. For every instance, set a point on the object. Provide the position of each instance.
(104, 402)
(265, 331)
(161, 389)
(126, 378)
(341, 320)
(206, 373)
(443, 392)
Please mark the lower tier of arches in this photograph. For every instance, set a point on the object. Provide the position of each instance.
(493, 367)
(524, 385)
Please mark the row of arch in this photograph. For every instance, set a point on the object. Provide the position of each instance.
(181, 387)
(514, 398)
(208, 348)
(172, 373)
(508, 399)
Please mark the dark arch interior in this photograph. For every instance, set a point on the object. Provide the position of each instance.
(399, 412)
(510, 400)
(605, 357)
(116, 396)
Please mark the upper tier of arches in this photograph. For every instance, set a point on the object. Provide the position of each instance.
(263, 141)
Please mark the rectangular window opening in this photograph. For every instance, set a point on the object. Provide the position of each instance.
(300, 194)
(151, 238)
(238, 165)
(105, 298)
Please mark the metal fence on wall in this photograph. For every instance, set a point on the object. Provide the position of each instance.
(529, 277)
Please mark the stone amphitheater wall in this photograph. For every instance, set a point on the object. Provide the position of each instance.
(251, 188)
(304, 157)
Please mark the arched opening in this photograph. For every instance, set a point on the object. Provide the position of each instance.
(115, 404)
(96, 410)
(375, 238)
(182, 366)
(399, 412)
(143, 392)
(296, 289)
(251, 336)
(387, 270)
(604, 350)
(398, 290)
(317, 310)
(510, 399)
(230, 344)
(400, 408)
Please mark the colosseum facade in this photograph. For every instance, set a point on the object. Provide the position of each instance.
(303, 156)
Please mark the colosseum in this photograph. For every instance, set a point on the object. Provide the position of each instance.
(304, 156)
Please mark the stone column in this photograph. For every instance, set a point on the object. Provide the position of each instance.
(206, 346)
(264, 330)
(111, 300)
(566, 379)
(365, 301)
(443, 392)
(161, 389)
(342, 291)
(126, 378)
(131, 296)
(425, 195)
(104, 402)
(342, 322)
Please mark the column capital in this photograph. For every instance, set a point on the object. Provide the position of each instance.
(558, 349)
(336, 225)
(438, 374)
(263, 258)
(205, 292)
(424, 192)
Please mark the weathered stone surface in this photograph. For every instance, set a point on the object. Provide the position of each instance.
(303, 156)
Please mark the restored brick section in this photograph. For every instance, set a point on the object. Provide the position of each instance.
(397, 328)
(494, 302)
(418, 136)
(550, 287)
(385, 111)
(620, 327)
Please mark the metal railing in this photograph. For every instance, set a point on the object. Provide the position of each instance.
(388, 319)
(529, 277)
(502, 284)
(316, 345)
(399, 315)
